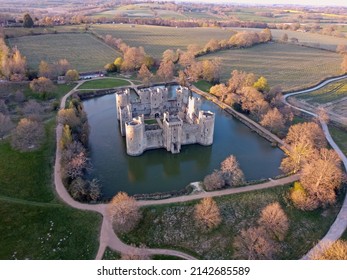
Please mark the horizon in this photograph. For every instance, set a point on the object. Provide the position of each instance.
(322, 3)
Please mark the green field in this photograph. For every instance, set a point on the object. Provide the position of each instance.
(331, 92)
(34, 224)
(289, 66)
(340, 137)
(83, 51)
(157, 39)
(104, 83)
(172, 226)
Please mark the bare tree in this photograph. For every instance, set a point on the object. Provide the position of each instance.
(42, 85)
(231, 171)
(33, 110)
(253, 101)
(253, 244)
(169, 55)
(300, 198)
(6, 125)
(3, 107)
(77, 165)
(321, 176)
(302, 140)
(78, 189)
(28, 135)
(207, 215)
(332, 251)
(145, 75)
(125, 212)
(214, 181)
(94, 190)
(47, 70)
(341, 49)
(62, 66)
(166, 71)
(69, 117)
(273, 120)
(274, 220)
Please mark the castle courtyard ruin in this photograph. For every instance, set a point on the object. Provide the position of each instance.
(153, 119)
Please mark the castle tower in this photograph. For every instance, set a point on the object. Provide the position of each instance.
(172, 126)
(122, 100)
(135, 136)
(182, 94)
(156, 101)
(194, 105)
(126, 115)
(206, 127)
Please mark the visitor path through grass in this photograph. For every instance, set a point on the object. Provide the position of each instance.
(172, 226)
(83, 51)
(104, 83)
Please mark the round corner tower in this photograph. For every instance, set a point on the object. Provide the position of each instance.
(206, 124)
(135, 136)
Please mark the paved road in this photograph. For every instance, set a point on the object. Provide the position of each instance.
(340, 223)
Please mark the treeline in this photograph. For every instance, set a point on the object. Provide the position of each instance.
(74, 160)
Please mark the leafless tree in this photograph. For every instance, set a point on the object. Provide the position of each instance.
(253, 244)
(274, 220)
(68, 116)
(125, 212)
(322, 114)
(33, 110)
(207, 215)
(273, 120)
(231, 171)
(166, 71)
(6, 125)
(62, 66)
(214, 181)
(78, 189)
(42, 85)
(47, 70)
(145, 75)
(28, 135)
(253, 101)
(169, 55)
(332, 251)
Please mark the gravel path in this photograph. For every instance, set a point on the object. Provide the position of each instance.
(340, 224)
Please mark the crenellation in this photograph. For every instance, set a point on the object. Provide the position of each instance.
(179, 120)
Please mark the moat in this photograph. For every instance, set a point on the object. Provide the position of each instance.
(160, 171)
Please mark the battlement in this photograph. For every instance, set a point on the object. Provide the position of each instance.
(180, 120)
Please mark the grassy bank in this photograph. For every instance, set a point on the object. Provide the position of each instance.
(104, 84)
(173, 226)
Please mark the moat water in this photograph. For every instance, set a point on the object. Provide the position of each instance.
(161, 171)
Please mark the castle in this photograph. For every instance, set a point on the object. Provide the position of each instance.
(153, 119)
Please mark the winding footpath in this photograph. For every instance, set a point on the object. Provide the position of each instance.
(340, 224)
(109, 239)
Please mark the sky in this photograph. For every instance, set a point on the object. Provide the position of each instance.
(300, 2)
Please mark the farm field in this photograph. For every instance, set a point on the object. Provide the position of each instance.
(330, 93)
(286, 65)
(83, 51)
(157, 39)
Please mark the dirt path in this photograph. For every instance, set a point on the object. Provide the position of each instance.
(340, 224)
(107, 236)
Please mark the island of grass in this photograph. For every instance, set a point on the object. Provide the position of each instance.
(104, 83)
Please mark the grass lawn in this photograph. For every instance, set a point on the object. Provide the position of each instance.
(151, 121)
(288, 66)
(340, 137)
(104, 83)
(173, 226)
(83, 51)
(331, 92)
(203, 85)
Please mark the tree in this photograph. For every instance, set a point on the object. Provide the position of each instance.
(78, 189)
(273, 120)
(214, 181)
(344, 64)
(322, 114)
(262, 85)
(211, 70)
(169, 55)
(239, 80)
(284, 37)
(28, 21)
(212, 46)
(42, 85)
(33, 110)
(62, 66)
(298, 195)
(186, 59)
(125, 212)
(94, 190)
(253, 244)
(265, 35)
(182, 79)
(166, 71)
(5, 125)
(206, 214)
(133, 58)
(275, 221)
(69, 117)
(28, 135)
(145, 75)
(231, 171)
(47, 70)
(118, 63)
(72, 75)
(332, 251)
(302, 139)
(321, 176)
(253, 101)
(341, 49)
(3, 107)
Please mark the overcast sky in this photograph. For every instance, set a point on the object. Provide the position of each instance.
(301, 2)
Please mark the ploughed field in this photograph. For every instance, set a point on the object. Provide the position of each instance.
(83, 51)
